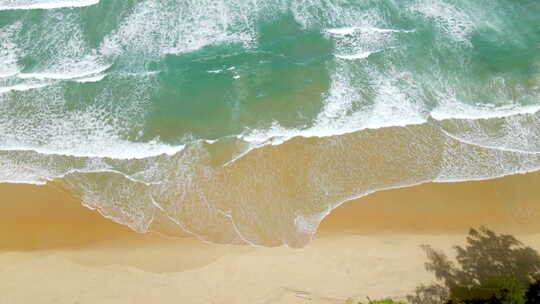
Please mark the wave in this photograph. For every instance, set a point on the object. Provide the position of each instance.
(389, 157)
(357, 56)
(9, 50)
(44, 4)
(451, 20)
(338, 174)
(64, 76)
(336, 166)
(351, 30)
(465, 111)
(115, 150)
(21, 87)
(95, 78)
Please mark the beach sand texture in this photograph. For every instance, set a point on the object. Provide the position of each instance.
(53, 250)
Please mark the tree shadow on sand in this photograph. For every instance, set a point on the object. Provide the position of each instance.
(491, 268)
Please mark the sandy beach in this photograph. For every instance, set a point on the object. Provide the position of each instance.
(53, 250)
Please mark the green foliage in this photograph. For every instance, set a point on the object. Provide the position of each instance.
(492, 268)
(504, 290)
(429, 294)
(383, 301)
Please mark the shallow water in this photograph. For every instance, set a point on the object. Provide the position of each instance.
(249, 121)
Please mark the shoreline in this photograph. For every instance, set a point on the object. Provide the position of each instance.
(359, 250)
(499, 203)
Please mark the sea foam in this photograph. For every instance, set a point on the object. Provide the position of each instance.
(44, 4)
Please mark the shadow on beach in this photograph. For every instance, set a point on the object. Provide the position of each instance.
(491, 268)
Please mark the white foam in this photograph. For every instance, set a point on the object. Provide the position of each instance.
(22, 87)
(115, 149)
(53, 130)
(64, 76)
(458, 110)
(19, 173)
(342, 31)
(275, 135)
(359, 42)
(344, 111)
(39, 120)
(463, 161)
(512, 129)
(450, 19)
(8, 74)
(504, 144)
(9, 51)
(44, 4)
(96, 78)
(23, 181)
(64, 54)
(308, 224)
(355, 56)
(391, 111)
(160, 27)
(215, 71)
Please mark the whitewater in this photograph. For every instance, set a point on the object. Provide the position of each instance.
(247, 121)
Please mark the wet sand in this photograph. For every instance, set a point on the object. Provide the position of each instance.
(53, 250)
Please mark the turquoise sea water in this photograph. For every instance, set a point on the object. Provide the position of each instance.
(248, 121)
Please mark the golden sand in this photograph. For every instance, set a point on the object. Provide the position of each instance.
(510, 204)
(53, 250)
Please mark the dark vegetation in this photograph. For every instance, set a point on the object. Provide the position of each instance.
(491, 269)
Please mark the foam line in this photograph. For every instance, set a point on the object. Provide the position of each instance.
(356, 56)
(62, 76)
(473, 113)
(91, 78)
(343, 31)
(47, 5)
(22, 87)
(124, 151)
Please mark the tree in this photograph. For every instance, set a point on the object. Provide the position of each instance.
(492, 268)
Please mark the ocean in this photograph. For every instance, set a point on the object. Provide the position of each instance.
(247, 121)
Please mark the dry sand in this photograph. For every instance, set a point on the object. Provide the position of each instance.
(52, 250)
